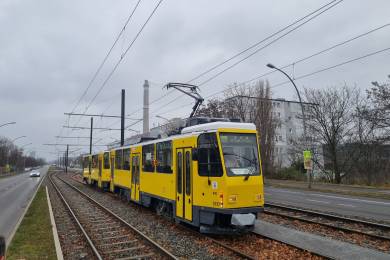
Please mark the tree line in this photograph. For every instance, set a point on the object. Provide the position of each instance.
(348, 129)
(13, 159)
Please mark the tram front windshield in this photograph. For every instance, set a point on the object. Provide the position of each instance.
(240, 154)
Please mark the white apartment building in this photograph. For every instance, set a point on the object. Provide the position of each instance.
(289, 130)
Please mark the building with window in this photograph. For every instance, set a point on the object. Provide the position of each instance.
(289, 130)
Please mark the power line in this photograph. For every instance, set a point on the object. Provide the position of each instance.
(332, 4)
(318, 11)
(107, 55)
(121, 59)
(73, 144)
(335, 66)
(98, 115)
(321, 52)
(105, 59)
(122, 56)
(247, 49)
(88, 128)
(298, 78)
(268, 44)
(72, 137)
(305, 58)
(261, 41)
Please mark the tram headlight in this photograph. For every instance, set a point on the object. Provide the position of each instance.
(232, 198)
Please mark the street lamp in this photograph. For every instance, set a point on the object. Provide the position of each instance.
(13, 140)
(9, 123)
(271, 66)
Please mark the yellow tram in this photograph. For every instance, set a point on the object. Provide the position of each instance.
(209, 176)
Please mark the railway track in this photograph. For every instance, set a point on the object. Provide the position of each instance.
(108, 235)
(227, 247)
(243, 247)
(352, 225)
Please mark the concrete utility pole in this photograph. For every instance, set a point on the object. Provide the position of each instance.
(67, 158)
(123, 118)
(146, 108)
(90, 145)
(90, 137)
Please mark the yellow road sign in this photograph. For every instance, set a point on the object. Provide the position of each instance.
(307, 160)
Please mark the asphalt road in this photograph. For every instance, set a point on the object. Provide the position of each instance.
(15, 193)
(374, 209)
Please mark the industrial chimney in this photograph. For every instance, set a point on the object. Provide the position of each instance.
(146, 107)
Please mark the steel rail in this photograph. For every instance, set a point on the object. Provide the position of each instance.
(134, 229)
(237, 252)
(328, 225)
(329, 215)
(91, 244)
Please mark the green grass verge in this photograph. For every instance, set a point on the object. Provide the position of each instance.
(34, 237)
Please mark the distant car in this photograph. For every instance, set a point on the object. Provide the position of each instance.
(35, 174)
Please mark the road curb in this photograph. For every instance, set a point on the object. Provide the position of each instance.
(57, 244)
(24, 213)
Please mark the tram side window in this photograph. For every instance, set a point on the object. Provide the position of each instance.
(94, 161)
(106, 159)
(209, 161)
(118, 159)
(164, 157)
(86, 162)
(188, 173)
(148, 158)
(179, 172)
(126, 159)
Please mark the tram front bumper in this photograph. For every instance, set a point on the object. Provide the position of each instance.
(241, 220)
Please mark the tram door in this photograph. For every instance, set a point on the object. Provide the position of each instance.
(112, 168)
(100, 172)
(184, 183)
(100, 167)
(135, 171)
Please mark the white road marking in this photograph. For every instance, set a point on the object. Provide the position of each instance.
(335, 197)
(287, 191)
(347, 205)
(351, 199)
(319, 201)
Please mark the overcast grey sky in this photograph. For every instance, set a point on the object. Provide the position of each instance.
(50, 49)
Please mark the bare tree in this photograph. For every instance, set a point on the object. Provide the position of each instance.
(371, 159)
(330, 124)
(253, 104)
(238, 102)
(265, 123)
(213, 108)
(379, 112)
(249, 103)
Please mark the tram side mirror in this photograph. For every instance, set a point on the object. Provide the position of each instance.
(194, 154)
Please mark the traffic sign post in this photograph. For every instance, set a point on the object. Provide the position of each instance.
(307, 163)
(307, 160)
